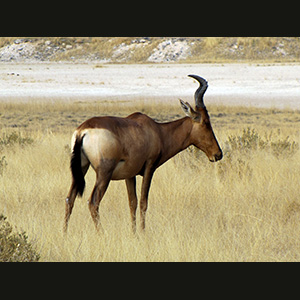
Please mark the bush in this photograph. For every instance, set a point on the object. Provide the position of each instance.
(15, 138)
(250, 140)
(284, 147)
(14, 247)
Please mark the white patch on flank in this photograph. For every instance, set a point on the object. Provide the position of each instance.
(99, 143)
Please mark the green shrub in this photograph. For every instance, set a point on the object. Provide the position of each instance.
(14, 247)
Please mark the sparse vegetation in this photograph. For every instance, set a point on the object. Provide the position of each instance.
(250, 140)
(244, 208)
(139, 49)
(8, 140)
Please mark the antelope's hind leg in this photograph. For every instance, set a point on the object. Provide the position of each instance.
(103, 177)
(69, 204)
(71, 198)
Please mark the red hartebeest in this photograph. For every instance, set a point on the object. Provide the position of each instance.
(122, 148)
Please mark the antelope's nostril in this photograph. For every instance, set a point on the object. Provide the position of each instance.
(216, 157)
(219, 156)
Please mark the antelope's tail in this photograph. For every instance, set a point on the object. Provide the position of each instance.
(78, 177)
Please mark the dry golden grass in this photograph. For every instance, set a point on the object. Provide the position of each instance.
(243, 208)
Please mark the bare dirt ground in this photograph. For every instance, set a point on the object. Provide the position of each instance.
(274, 85)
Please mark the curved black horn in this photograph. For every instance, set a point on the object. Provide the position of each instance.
(200, 91)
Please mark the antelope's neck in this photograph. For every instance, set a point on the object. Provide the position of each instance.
(175, 137)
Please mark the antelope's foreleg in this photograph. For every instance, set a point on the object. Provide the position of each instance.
(148, 174)
(131, 190)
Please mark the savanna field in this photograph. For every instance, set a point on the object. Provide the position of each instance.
(244, 208)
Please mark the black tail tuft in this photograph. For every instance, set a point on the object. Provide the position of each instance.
(76, 169)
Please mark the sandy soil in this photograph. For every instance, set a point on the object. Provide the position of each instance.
(232, 84)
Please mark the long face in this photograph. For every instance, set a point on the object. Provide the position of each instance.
(203, 136)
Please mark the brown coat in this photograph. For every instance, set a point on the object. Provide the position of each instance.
(122, 148)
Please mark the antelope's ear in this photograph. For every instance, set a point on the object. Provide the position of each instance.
(188, 110)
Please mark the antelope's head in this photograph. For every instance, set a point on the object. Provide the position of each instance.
(202, 135)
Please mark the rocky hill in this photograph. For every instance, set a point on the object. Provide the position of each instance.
(150, 49)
